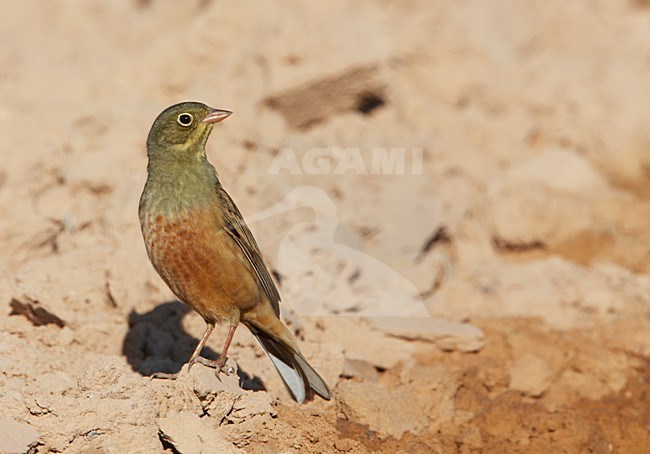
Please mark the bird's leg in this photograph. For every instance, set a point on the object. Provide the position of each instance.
(197, 351)
(220, 363)
(193, 359)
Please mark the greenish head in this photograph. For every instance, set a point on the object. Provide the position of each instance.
(183, 129)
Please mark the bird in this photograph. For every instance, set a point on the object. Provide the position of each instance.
(198, 242)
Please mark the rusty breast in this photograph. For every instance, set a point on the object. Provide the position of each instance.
(200, 263)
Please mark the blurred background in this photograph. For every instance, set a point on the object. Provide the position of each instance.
(472, 179)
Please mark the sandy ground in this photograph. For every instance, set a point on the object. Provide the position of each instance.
(491, 295)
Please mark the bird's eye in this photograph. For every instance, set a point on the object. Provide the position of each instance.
(184, 119)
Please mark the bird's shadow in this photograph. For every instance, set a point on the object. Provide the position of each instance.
(157, 342)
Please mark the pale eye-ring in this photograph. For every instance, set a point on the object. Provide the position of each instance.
(185, 119)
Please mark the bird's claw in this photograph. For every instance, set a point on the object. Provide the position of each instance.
(226, 370)
(219, 365)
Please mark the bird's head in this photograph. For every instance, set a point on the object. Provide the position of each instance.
(183, 127)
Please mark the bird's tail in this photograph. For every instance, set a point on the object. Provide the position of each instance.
(298, 376)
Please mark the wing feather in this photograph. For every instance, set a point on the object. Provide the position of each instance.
(239, 231)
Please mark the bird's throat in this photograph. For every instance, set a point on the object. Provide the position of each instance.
(175, 186)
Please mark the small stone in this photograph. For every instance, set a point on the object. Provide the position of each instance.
(531, 375)
(359, 368)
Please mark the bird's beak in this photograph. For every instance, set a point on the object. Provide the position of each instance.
(216, 115)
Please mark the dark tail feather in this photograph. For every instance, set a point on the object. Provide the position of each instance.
(298, 376)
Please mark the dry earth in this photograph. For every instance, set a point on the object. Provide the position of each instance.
(520, 222)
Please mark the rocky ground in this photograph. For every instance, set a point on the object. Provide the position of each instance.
(491, 295)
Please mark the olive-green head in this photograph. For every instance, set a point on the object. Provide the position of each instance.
(183, 127)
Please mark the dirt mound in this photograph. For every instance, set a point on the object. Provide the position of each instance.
(453, 198)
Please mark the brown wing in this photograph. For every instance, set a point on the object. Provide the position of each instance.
(238, 230)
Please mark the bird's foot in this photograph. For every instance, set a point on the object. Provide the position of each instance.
(218, 365)
(164, 376)
(221, 367)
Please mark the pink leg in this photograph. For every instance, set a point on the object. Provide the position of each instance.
(193, 359)
(219, 364)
